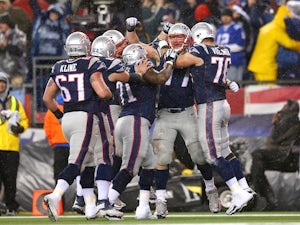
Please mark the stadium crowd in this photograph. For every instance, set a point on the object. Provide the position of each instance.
(241, 20)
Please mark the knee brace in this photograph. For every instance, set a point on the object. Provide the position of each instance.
(69, 174)
(87, 177)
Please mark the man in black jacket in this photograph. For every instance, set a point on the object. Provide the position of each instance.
(280, 153)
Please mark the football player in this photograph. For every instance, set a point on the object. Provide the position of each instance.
(208, 64)
(80, 81)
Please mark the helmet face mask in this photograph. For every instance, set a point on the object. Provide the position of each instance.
(103, 47)
(133, 53)
(78, 44)
(201, 31)
(179, 37)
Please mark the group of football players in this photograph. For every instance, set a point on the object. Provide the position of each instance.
(116, 88)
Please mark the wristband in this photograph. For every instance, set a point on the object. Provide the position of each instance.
(170, 62)
(134, 77)
(58, 114)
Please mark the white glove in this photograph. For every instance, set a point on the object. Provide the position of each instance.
(166, 27)
(13, 120)
(131, 23)
(234, 86)
(171, 56)
(6, 114)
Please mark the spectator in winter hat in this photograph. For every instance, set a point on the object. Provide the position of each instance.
(12, 51)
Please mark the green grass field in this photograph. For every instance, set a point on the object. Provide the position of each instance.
(245, 218)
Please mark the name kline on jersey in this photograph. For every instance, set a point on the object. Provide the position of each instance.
(68, 68)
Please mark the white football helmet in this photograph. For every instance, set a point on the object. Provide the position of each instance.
(179, 37)
(78, 44)
(134, 53)
(103, 47)
(114, 35)
(119, 40)
(201, 31)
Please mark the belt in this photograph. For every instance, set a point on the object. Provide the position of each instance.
(175, 110)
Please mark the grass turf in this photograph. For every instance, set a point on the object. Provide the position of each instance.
(245, 218)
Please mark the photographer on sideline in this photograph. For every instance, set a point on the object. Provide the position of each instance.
(281, 152)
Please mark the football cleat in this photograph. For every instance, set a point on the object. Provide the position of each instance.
(119, 205)
(161, 210)
(239, 201)
(51, 209)
(143, 213)
(79, 205)
(107, 211)
(214, 203)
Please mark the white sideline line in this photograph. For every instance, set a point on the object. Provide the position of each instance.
(178, 216)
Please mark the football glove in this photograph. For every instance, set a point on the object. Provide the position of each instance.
(166, 27)
(17, 129)
(171, 56)
(131, 23)
(234, 86)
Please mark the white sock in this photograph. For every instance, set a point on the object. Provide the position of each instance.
(78, 187)
(113, 195)
(233, 185)
(243, 183)
(60, 188)
(209, 185)
(103, 187)
(161, 194)
(89, 197)
(144, 198)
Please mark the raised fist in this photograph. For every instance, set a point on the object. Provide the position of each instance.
(171, 56)
(167, 26)
(131, 23)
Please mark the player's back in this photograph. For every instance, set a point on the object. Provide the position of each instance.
(210, 78)
(73, 78)
(137, 98)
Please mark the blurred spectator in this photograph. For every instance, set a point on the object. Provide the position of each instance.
(214, 8)
(18, 15)
(13, 122)
(50, 29)
(93, 18)
(281, 152)
(263, 60)
(232, 35)
(24, 4)
(289, 60)
(187, 10)
(152, 13)
(12, 51)
(241, 17)
(56, 139)
(258, 12)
